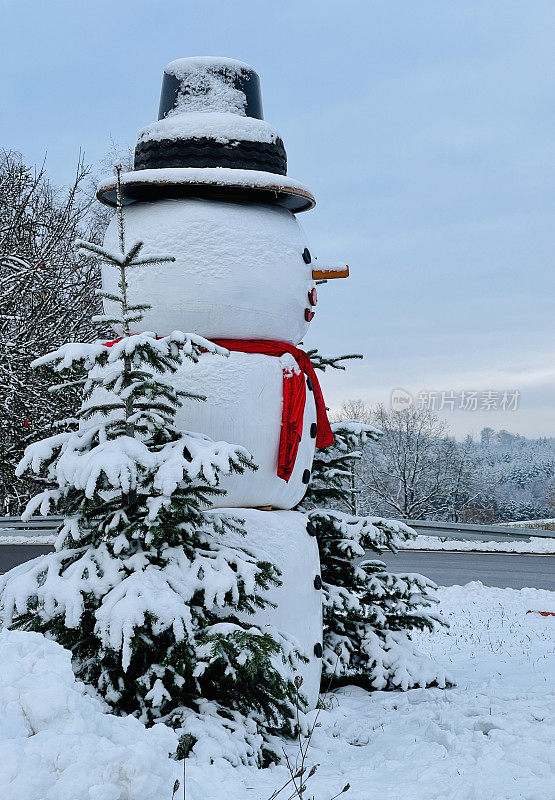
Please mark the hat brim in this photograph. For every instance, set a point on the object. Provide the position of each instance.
(219, 183)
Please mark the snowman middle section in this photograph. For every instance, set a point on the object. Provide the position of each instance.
(244, 405)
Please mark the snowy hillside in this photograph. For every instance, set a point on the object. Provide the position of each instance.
(499, 477)
(518, 473)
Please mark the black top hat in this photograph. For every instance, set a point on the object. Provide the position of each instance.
(183, 79)
(210, 126)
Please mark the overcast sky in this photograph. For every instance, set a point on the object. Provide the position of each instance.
(425, 130)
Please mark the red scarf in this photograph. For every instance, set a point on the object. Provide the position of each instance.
(294, 396)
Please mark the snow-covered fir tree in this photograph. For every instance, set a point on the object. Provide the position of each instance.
(333, 477)
(143, 588)
(368, 612)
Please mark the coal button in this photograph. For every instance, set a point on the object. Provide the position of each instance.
(309, 385)
(318, 650)
(307, 258)
(313, 430)
(306, 476)
(311, 528)
(317, 582)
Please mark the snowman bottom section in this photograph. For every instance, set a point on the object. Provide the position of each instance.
(281, 538)
(244, 404)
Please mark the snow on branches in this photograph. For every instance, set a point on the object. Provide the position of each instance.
(101, 456)
(333, 468)
(368, 612)
(46, 298)
(143, 587)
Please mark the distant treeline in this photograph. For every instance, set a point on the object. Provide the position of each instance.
(418, 471)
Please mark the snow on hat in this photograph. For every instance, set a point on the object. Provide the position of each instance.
(210, 140)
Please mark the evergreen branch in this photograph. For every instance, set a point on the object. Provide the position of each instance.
(129, 257)
(115, 298)
(100, 319)
(321, 362)
(143, 260)
(97, 252)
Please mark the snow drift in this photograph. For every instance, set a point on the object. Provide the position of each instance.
(57, 742)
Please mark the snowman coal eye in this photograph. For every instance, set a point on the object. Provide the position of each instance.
(307, 258)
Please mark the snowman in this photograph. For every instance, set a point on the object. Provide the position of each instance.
(210, 187)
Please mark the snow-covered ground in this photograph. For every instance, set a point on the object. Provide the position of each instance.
(490, 738)
(536, 545)
(8, 539)
(58, 743)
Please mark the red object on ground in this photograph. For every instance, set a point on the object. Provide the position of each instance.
(294, 396)
(542, 613)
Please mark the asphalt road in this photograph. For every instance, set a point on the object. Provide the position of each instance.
(493, 569)
(13, 554)
(513, 570)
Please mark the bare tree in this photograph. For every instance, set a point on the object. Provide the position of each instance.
(462, 488)
(46, 298)
(99, 215)
(357, 410)
(416, 470)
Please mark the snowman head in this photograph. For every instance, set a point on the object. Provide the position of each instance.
(241, 270)
(210, 187)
